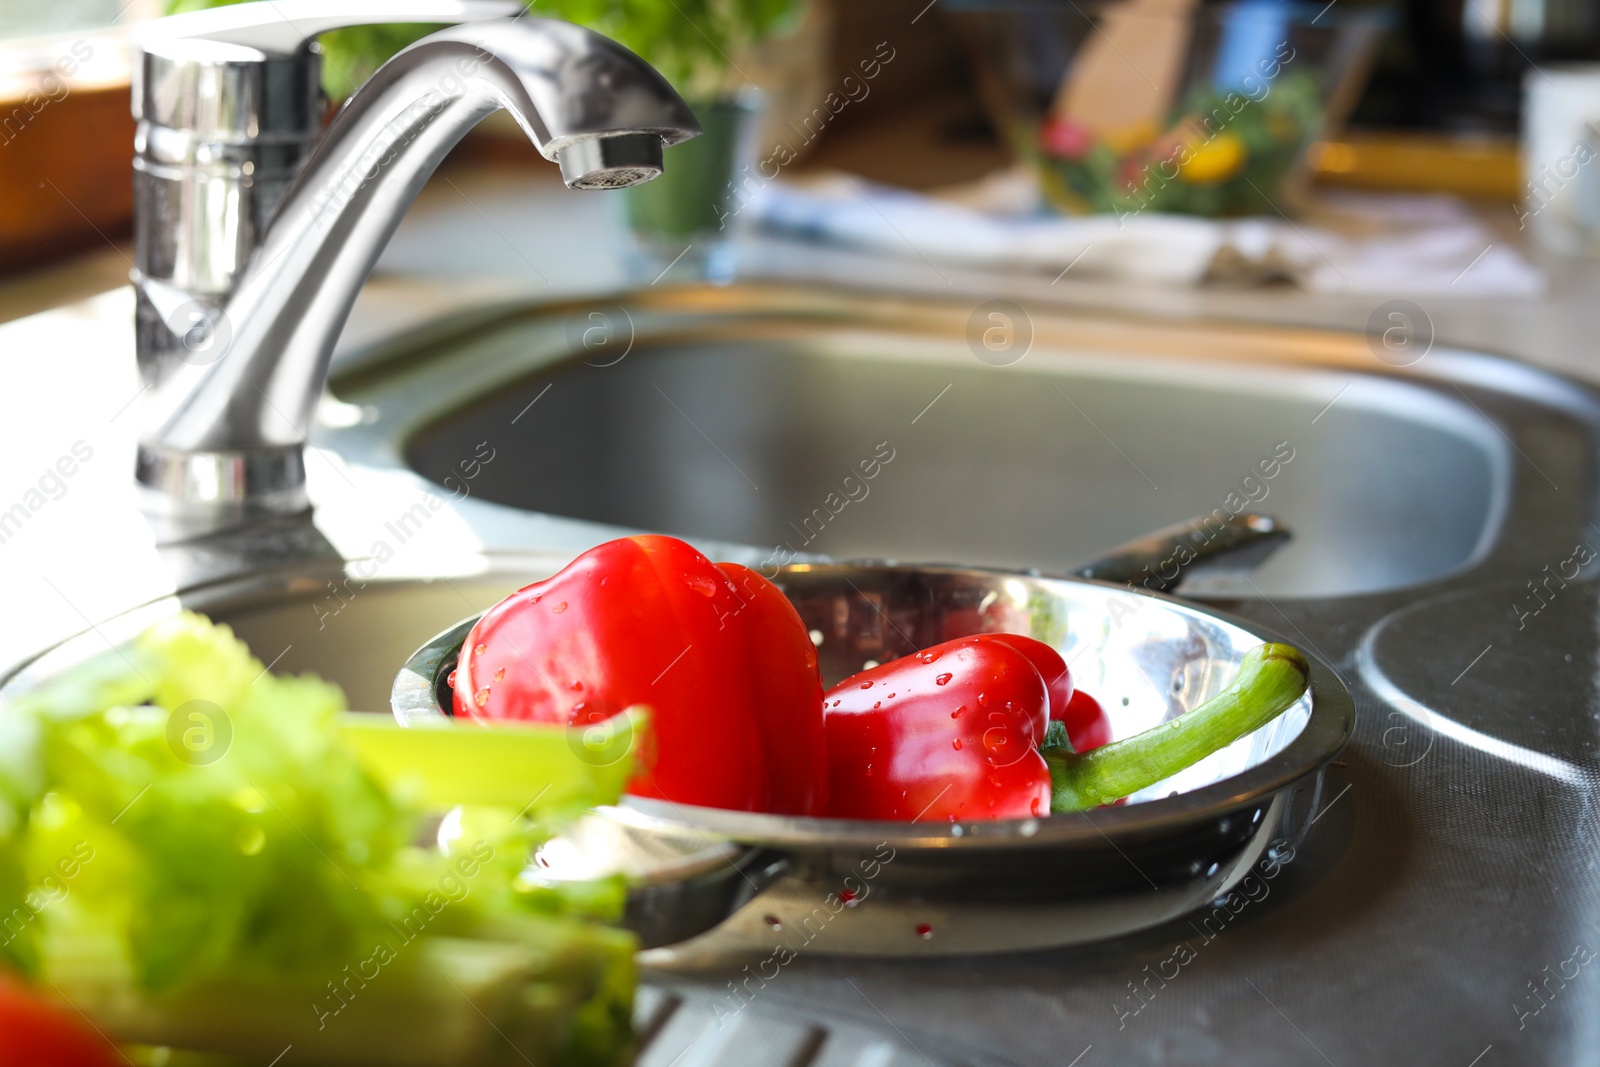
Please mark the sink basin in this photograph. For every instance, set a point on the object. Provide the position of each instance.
(359, 640)
(755, 416)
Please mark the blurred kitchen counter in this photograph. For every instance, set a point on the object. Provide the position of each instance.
(493, 232)
(498, 229)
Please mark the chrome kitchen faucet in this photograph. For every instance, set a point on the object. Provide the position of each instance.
(253, 235)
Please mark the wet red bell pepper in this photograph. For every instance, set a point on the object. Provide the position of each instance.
(1085, 720)
(950, 733)
(717, 652)
(958, 732)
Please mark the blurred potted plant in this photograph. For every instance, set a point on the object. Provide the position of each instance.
(682, 217)
(691, 42)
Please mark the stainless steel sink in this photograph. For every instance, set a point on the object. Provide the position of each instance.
(750, 416)
(360, 638)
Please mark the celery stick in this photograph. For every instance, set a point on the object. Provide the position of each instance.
(505, 765)
(432, 1002)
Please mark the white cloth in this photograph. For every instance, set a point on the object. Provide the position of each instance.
(1352, 243)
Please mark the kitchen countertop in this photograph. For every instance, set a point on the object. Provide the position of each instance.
(82, 550)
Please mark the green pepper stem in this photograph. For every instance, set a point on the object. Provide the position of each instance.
(1271, 677)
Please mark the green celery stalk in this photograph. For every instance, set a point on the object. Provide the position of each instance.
(430, 1002)
(1271, 677)
(506, 765)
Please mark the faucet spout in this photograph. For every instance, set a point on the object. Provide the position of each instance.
(229, 423)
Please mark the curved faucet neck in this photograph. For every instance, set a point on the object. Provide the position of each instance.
(230, 422)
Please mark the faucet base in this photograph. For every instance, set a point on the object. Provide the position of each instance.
(202, 491)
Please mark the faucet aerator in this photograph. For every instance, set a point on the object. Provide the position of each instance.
(613, 162)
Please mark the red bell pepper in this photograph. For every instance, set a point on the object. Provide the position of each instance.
(34, 1034)
(1086, 722)
(1088, 725)
(717, 652)
(951, 732)
(1051, 667)
(904, 744)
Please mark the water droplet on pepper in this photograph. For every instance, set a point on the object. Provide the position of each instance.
(481, 697)
(559, 608)
(943, 679)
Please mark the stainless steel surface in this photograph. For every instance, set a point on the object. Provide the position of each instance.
(995, 886)
(680, 884)
(1160, 561)
(683, 1024)
(744, 416)
(245, 378)
(228, 103)
(611, 162)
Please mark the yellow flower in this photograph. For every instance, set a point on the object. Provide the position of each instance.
(1215, 161)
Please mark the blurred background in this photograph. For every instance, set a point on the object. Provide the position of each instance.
(1027, 122)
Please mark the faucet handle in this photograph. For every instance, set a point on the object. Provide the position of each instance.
(283, 27)
(229, 104)
(246, 74)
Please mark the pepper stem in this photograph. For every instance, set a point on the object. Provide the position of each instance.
(1271, 677)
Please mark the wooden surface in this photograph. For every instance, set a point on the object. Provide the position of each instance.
(1422, 162)
(65, 173)
(1129, 73)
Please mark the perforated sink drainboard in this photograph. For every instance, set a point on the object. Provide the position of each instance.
(682, 1027)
